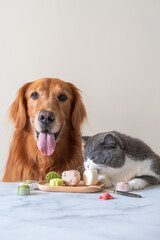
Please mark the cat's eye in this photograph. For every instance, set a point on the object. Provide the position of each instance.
(62, 97)
(35, 95)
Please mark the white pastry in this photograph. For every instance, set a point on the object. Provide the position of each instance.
(90, 177)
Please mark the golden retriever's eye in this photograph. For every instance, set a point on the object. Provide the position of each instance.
(35, 95)
(62, 97)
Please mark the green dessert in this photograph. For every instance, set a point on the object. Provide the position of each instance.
(23, 190)
(56, 182)
(27, 182)
(52, 175)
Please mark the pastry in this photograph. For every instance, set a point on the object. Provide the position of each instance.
(23, 190)
(55, 182)
(71, 177)
(90, 177)
(52, 175)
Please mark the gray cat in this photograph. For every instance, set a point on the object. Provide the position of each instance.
(118, 157)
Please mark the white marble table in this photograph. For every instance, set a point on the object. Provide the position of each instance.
(50, 215)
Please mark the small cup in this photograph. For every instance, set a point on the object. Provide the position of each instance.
(123, 186)
(31, 183)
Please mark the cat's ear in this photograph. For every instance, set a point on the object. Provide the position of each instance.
(110, 141)
(85, 139)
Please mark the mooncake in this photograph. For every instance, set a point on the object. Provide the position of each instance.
(90, 177)
(55, 182)
(71, 177)
(52, 175)
(23, 190)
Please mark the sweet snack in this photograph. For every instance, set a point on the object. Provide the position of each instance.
(90, 177)
(23, 190)
(71, 177)
(52, 175)
(27, 182)
(123, 186)
(55, 182)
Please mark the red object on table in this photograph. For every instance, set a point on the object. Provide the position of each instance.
(105, 196)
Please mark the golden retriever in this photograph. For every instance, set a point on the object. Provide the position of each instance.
(47, 115)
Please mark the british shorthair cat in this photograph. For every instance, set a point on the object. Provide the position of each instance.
(118, 157)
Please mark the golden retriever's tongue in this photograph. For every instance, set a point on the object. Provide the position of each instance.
(46, 143)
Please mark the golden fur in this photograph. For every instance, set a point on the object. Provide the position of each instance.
(25, 160)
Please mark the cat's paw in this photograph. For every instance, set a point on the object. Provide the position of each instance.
(138, 183)
(105, 181)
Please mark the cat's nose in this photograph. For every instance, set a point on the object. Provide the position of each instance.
(87, 165)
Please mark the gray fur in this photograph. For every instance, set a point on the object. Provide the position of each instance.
(111, 148)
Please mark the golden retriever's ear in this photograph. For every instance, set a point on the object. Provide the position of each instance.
(78, 113)
(18, 112)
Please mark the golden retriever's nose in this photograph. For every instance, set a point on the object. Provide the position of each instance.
(46, 117)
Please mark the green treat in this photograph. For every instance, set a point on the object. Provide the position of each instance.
(27, 182)
(23, 190)
(56, 182)
(52, 175)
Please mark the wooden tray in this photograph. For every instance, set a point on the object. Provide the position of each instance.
(80, 188)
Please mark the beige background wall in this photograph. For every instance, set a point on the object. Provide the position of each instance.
(108, 49)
